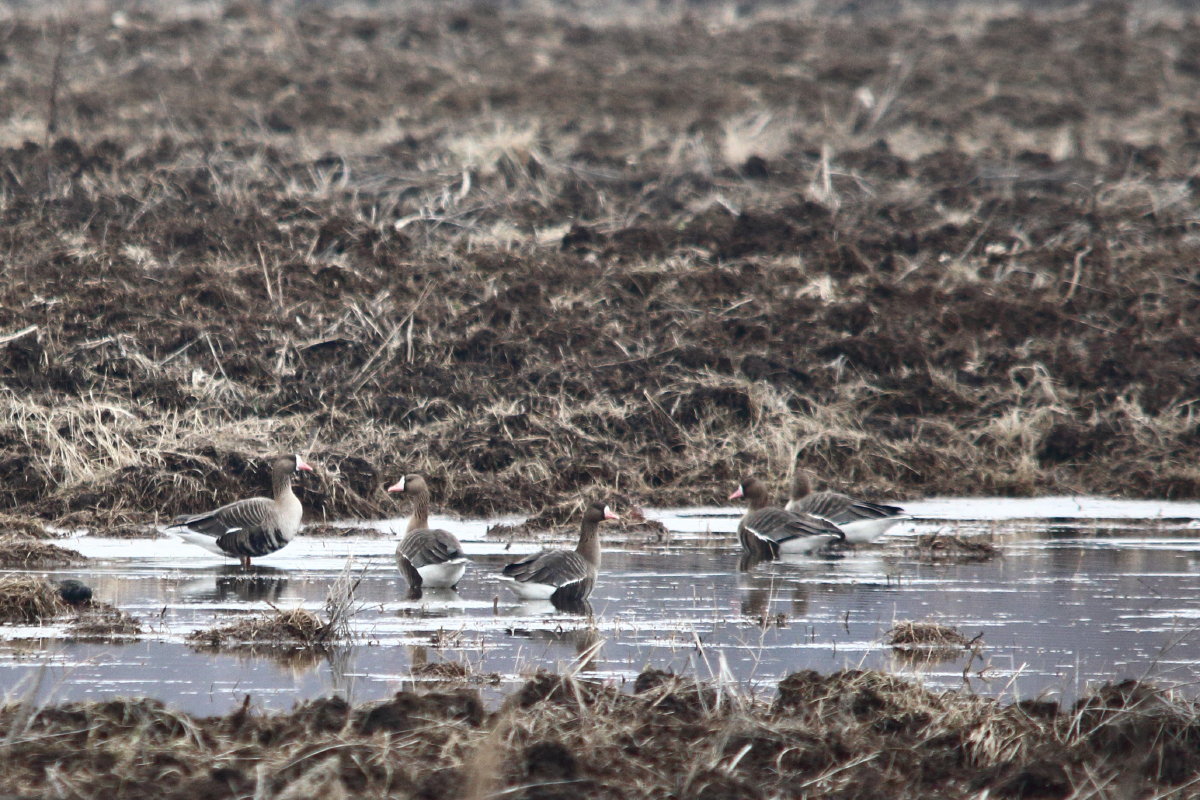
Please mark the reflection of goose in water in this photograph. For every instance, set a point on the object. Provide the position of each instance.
(547, 608)
(247, 585)
(432, 603)
(764, 592)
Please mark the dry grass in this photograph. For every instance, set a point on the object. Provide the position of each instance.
(296, 626)
(849, 734)
(293, 626)
(17, 525)
(18, 552)
(100, 622)
(907, 634)
(596, 266)
(948, 548)
(27, 599)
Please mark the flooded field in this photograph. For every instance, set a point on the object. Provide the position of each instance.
(1084, 591)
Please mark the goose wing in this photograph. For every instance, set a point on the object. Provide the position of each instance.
(252, 514)
(842, 509)
(550, 567)
(427, 546)
(779, 525)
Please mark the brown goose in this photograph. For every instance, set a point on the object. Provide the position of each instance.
(249, 528)
(861, 521)
(564, 577)
(429, 557)
(767, 531)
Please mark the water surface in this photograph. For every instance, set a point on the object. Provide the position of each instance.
(1086, 590)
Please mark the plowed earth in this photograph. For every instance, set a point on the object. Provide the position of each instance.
(541, 255)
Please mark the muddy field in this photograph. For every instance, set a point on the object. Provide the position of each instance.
(847, 735)
(538, 254)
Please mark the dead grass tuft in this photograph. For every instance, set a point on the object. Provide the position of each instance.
(293, 626)
(19, 525)
(948, 548)
(288, 634)
(28, 598)
(101, 622)
(17, 552)
(909, 634)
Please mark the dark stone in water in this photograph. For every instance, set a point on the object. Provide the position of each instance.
(73, 592)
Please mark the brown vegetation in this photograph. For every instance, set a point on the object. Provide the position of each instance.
(18, 525)
(290, 628)
(948, 548)
(296, 625)
(908, 635)
(17, 552)
(101, 622)
(536, 255)
(848, 734)
(29, 598)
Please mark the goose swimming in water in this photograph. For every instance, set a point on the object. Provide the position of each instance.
(429, 557)
(564, 577)
(766, 531)
(861, 521)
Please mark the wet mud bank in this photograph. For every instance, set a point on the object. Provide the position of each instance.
(537, 255)
(846, 734)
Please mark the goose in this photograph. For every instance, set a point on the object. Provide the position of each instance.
(429, 557)
(249, 528)
(564, 577)
(862, 522)
(767, 531)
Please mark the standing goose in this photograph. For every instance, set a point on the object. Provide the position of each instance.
(564, 577)
(249, 528)
(429, 557)
(766, 531)
(861, 521)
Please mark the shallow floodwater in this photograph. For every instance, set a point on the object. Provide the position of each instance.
(1086, 590)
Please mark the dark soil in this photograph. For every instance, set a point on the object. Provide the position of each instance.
(540, 255)
(849, 734)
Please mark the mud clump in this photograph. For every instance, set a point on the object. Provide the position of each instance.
(947, 548)
(29, 599)
(924, 634)
(101, 622)
(295, 626)
(18, 552)
(408, 711)
(861, 732)
(923, 642)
